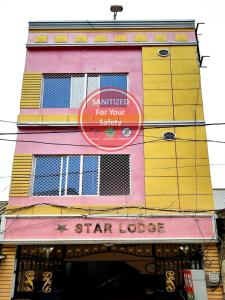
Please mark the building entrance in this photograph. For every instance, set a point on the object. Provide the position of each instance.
(109, 272)
(106, 280)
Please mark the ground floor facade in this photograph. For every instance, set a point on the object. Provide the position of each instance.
(103, 271)
(108, 257)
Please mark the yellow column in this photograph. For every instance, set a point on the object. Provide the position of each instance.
(212, 264)
(7, 272)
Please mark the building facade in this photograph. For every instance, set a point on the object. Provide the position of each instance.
(114, 200)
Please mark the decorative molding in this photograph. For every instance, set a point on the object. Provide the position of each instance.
(181, 37)
(110, 44)
(120, 38)
(61, 39)
(92, 25)
(81, 39)
(140, 38)
(161, 38)
(41, 39)
(101, 38)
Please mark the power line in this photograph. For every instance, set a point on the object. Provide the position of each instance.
(160, 139)
(87, 212)
(73, 145)
(132, 170)
(6, 121)
(149, 126)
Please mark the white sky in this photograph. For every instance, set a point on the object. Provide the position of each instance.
(14, 27)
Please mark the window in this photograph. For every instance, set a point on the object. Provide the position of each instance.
(69, 90)
(66, 175)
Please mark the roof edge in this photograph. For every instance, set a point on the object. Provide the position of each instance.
(143, 24)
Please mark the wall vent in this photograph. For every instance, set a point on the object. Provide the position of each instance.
(163, 52)
(169, 136)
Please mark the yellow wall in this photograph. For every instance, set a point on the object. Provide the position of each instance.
(31, 89)
(21, 175)
(7, 272)
(177, 172)
(212, 264)
(171, 84)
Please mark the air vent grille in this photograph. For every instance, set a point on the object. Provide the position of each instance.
(169, 136)
(163, 52)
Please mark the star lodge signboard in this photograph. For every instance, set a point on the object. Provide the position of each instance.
(144, 229)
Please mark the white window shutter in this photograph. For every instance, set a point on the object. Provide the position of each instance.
(78, 91)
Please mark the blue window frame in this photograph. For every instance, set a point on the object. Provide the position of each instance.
(102, 175)
(113, 80)
(69, 90)
(47, 175)
(56, 92)
(90, 175)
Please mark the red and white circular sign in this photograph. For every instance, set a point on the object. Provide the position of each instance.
(110, 119)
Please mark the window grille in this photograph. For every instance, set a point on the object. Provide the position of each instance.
(102, 175)
(115, 175)
(69, 90)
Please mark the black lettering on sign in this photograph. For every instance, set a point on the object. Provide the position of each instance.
(141, 227)
(151, 227)
(161, 227)
(131, 228)
(78, 228)
(97, 228)
(108, 228)
(121, 228)
(88, 225)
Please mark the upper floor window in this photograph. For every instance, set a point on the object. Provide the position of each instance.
(69, 90)
(102, 175)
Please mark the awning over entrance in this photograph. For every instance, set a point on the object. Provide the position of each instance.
(39, 230)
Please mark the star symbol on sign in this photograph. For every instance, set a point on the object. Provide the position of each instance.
(61, 228)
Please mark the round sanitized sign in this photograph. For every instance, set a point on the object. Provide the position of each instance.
(110, 119)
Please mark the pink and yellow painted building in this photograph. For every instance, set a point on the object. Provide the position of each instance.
(119, 224)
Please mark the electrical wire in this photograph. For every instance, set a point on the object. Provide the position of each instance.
(58, 218)
(144, 127)
(130, 145)
(132, 170)
(97, 211)
(113, 208)
(72, 145)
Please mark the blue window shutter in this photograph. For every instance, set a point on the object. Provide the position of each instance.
(90, 175)
(47, 176)
(114, 80)
(56, 93)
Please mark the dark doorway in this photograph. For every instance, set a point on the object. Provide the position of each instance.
(107, 280)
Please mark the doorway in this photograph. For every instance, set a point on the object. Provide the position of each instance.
(108, 280)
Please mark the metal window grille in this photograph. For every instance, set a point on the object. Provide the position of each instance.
(102, 175)
(69, 90)
(115, 175)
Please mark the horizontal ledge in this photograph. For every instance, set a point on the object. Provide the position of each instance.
(100, 44)
(174, 123)
(94, 216)
(115, 241)
(145, 123)
(116, 24)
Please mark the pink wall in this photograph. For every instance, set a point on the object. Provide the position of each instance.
(76, 138)
(86, 60)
